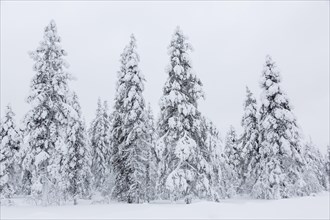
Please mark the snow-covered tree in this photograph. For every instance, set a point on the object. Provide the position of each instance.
(315, 172)
(26, 172)
(182, 169)
(327, 164)
(46, 122)
(78, 161)
(26, 182)
(107, 126)
(249, 142)
(151, 169)
(129, 135)
(10, 139)
(228, 177)
(232, 163)
(109, 182)
(213, 145)
(281, 162)
(99, 135)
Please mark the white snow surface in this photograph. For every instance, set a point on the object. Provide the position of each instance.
(312, 207)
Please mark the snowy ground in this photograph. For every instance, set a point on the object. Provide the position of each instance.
(239, 208)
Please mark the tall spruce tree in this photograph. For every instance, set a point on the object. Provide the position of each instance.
(130, 141)
(151, 169)
(281, 162)
(249, 142)
(78, 162)
(100, 147)
(183, 164)
(47, 120)
(10, 139)
(108, 185)
(232, 166)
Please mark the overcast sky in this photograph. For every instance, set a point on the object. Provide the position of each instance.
(230, 40)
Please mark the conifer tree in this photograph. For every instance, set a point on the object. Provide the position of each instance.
(228, 181)
(281, 162)
(26, 172)
(232, 160)
(327, 164)
(151, 167)
(47, 120)
(78, 162)
(315, 172)
(249, 142)
(26, 178)
(107, 131)
(214, 146)
(183, 164)
(100, 146)
(10, 139)
(129, 133)
(109, 175)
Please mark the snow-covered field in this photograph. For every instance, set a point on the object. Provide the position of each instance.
(314, 207)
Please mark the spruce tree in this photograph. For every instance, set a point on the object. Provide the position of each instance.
(249, 142)
(10, 139)
(26, 179)
(100, 146)
(327, 165)
(315, 172)
(129, 135)
(107, 130)
(232, 160)
(47, 120)
(281, 162)
(214, 146)
(183, 164)
(151, 167)
(78, 162)
(228, 181)
(109, 175)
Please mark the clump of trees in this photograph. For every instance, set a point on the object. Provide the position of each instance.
(126, 156)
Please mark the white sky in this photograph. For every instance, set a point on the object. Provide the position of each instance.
(230, 40)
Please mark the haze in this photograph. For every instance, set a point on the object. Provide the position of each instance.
(230, 40)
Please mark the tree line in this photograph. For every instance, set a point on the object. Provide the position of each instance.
(129, 156)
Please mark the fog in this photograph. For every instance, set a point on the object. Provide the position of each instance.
(230, 40)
